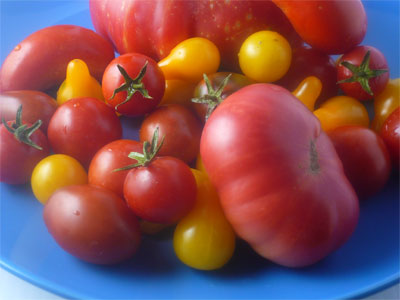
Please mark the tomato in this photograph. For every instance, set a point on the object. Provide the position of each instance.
(340, 111)
(390, 133)
(178, 92)
(279, 179)
(363, 72)
(92, 224)
(22, 146)
(110, 157)
(365, 158)
(179, 126)
(133, 84)
(307, 61)
(225, 23)
(204, 239)
(53, 172)
(39, 61)
(265, 56)
(308, 91)
(81, 126)
(36, 106)
(334, 26)
(190, 59)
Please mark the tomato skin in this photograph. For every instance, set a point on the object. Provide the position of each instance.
(390, 133)
(92, 224)
(110, 157)
(162, 192)
(333, 27)
(179, 126)
(33, 66)
(355, 57)
(36, 106)
(81, 126)
(17, 159)
(292, 204)
(365, 158)
(153, 81)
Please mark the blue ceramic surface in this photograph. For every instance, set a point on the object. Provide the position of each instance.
(368, 262)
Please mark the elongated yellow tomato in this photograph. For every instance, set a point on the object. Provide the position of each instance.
(340, 111)
(78, 83)
(190, 59)
(204, 239)
(308, 91)
(56, 171)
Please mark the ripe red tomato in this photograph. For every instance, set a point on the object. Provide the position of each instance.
(363, 72)
(179, 127)
(81, 126)
(92, 224)
(137, 88)
(110, 157)
(280, 181)
(365, 158)
(390, 133)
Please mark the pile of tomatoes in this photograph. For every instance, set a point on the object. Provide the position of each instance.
(269, 141)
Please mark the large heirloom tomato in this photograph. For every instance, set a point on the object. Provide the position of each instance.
(280, 181)
(155, 27)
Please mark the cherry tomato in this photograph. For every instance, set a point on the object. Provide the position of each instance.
(81, 126)
(181, 128)
(204, 239)
(363, 72)
(53, 172)
(178, 92)
(92, 224)
(391, 135)
(265, 56)
(308, 91)
(364, 156)
(133, 84)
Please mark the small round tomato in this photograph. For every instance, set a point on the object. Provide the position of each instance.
(81, 126)
(179, 126)
(92, 224)
(391, 136)
(363, 72)
(178, 92)
(364, 156)
(53, 172)
(265, 56)
(133, 84)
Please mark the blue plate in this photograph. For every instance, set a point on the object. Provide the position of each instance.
(367, 263)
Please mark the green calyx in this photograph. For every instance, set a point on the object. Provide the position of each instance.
(362, 73)
(213, 98)
(150, 150)
(131, 86)
(21, 131)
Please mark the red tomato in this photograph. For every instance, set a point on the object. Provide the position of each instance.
(36, 106)
(180, 128)
(39, 62)
(365, 158)
(92, 224)
(280, 181)
(363, 72)
(81, 126)
(143, 79)
(390, 133)
(110, 157)
(333, 26)
(225, 23)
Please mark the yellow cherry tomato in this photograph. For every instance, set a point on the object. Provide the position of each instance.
(308, 91)
(78, 83)
(204, 239)
(178, 92)
(200, 165)
(385, 103)
(265, 56)
(190, 59)
(56, 171)
(340, 111)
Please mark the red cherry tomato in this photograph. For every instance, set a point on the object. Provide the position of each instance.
(92, 224)
(81, 126)
(390, 133)
(133, 84)
(365, 158)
